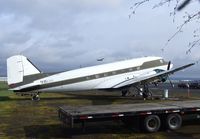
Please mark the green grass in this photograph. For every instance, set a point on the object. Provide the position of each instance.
(22, 118)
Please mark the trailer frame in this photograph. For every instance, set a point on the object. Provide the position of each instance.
(164, 113)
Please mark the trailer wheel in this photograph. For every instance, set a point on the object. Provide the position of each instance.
(173, 121)
(152, 123)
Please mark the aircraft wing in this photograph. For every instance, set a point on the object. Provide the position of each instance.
(149, 78)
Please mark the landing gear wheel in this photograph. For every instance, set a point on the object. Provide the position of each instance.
(36, 98)
(152, 123)
(173, 121)
(124, 93)
(146, 92)
(147, 95)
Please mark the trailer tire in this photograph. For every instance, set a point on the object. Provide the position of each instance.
(152, 123)
(173, 121)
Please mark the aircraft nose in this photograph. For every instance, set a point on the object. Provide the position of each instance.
(171, 66)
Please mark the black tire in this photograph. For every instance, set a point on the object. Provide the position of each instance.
(124, 93)
(152, 123)
(173, 121)
(36, 98)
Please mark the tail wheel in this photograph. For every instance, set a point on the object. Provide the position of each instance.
(152, 123)
(173, 121)
(36, 97)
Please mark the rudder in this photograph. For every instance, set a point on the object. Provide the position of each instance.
(19, 66)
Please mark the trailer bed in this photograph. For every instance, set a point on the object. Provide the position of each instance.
(75, 114)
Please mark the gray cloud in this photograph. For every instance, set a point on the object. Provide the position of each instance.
(64, 34)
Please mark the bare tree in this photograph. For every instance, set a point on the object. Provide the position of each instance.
(178, 6)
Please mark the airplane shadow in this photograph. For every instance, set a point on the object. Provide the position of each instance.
(7, 98)
(96, 99)
(102, 99)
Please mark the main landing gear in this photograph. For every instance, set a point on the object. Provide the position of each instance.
(125, 92)
(144, 91)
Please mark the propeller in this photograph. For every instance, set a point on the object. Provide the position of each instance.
(168, 66)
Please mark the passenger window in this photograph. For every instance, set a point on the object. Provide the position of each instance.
(87, 77)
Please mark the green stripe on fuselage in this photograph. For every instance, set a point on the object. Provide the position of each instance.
(145, 65)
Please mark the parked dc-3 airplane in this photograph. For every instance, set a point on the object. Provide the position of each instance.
(23, 76)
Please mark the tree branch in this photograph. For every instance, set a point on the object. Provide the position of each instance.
(178, 6)
(183, 5)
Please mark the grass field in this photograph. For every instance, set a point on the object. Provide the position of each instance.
(22, 118)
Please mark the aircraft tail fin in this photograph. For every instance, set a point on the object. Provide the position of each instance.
(17, 67)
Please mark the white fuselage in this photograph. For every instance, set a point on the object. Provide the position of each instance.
(101, 76)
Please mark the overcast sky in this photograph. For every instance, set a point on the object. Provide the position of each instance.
(59, 35)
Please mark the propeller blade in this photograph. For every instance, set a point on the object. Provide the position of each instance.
(168, 66)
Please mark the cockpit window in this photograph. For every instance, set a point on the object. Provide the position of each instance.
(138, 68)
(158, 70)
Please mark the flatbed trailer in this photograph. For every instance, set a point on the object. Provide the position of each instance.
(150, 115)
